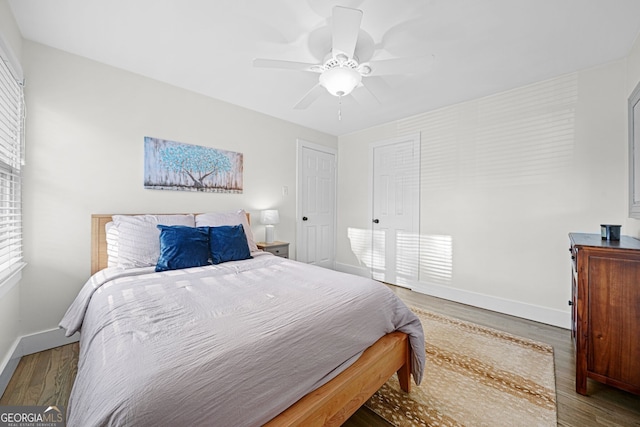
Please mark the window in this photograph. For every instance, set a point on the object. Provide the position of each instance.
(12, 113)
(634, 153)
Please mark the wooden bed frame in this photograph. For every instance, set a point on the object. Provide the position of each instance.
(337, 400)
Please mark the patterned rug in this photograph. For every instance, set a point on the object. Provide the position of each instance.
(474, 376)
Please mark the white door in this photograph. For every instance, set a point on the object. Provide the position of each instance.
(316, 204)
(395, 210)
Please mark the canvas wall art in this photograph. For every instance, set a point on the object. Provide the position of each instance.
(171, 165)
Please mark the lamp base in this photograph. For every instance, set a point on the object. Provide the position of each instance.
(268, 233)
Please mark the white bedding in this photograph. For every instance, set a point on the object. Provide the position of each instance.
(232, 344)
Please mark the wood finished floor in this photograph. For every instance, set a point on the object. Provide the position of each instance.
(46, 378)
(43, 378)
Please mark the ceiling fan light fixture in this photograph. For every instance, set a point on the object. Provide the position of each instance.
(340, 81)
(341, 58)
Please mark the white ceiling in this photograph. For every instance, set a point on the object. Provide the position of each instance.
(207, 46)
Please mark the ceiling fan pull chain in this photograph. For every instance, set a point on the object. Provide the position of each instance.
(340, 108)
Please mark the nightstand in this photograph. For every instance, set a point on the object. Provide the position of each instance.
(280, 249)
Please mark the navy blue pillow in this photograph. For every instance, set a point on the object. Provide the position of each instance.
(228, 243)
(182, 247)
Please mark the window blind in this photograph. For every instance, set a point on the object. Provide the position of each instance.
(12, 113)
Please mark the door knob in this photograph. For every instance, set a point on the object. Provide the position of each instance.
(376, 221)
(304, 218)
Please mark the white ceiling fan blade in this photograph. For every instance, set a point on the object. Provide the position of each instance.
(411, 65)
(324, 8)
(377, 85)
(364, 96)
(287, 65)
(310, 97)
(345, 28)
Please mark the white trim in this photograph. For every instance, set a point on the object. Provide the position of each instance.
(533, 312)
(29, 344)
(45, 340)
(9, 365)
(352, 269)
(300, 144)
(536, 313)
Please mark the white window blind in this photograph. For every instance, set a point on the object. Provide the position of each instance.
(12, 113)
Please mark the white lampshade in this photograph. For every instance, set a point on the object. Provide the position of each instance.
(340, 81)
(269, 217)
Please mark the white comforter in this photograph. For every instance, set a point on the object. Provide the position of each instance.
(232, 344)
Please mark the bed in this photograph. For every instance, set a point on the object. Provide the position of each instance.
(258, 341)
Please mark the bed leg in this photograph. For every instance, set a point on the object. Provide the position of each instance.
(404, 373)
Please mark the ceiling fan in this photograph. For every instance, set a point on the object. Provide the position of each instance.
(341, 73)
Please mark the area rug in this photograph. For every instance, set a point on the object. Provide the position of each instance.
(474, 376)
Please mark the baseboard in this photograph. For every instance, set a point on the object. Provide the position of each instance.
(536, 313)
(29, 344)
(353, 269)
(9, 365)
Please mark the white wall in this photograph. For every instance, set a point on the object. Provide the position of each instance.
(505, 179)
(85, 128)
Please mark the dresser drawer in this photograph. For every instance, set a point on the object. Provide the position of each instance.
(282, 251)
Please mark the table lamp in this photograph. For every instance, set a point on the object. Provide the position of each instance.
(269, 218)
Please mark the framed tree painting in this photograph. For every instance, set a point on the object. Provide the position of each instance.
(171, 165)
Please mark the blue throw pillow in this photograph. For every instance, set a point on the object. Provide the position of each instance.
(228, 243)
(182, 247)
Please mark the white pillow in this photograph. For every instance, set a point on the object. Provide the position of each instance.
(112, 244)
(216, 219)
(139, 238)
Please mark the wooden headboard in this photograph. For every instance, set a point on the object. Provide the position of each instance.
(99, 240)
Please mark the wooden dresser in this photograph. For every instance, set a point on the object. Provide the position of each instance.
(605, 301)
